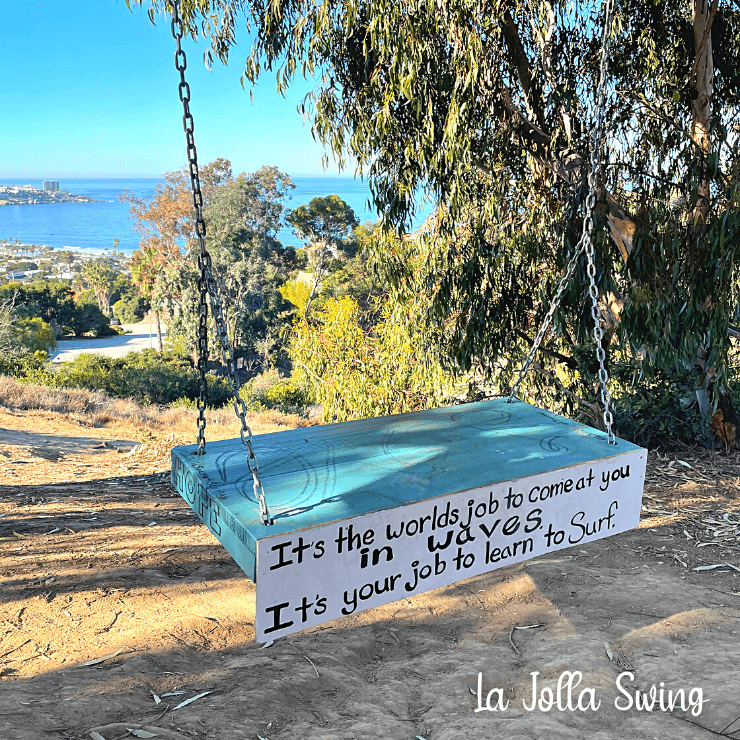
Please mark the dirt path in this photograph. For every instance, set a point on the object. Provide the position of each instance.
(99, 556)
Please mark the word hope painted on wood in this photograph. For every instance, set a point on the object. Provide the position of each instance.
(335, 570)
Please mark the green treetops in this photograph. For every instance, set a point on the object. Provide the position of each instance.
(54, 303)
(327, 220)
(490, 109)
(243, 215)
(101, 278)
(355, 371)
(327, 223)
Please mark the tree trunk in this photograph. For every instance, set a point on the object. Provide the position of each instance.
(723, 420)
(317, 277)
(702, 81)
(311, 295)
(159, 333)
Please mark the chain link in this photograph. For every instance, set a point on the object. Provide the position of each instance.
(586, 244)
(589, 225)
(207, 288)
(546, 321)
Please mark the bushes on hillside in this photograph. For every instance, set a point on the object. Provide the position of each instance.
(34, 335)
(270, 391)
(149, 378)
(145, 376)
(26, 366)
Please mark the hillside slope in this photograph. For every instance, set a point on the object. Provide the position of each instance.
(101, 561)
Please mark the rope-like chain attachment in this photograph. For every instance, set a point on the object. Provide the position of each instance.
(207, 287)
(586, 244)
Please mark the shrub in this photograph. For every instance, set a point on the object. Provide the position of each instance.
(149, 378)
(35, 335)
(89, 319)
(659, 410)
(357, 372)
(270, 391)
(145, 377)
(87, 370)
(297, 293)
(130, 309)
(183, 403)
(30, 367)
(287, 396)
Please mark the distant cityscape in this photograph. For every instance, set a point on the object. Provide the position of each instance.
(25, 263)
(50, 192)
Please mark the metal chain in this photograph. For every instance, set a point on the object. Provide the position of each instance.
(546, 321)
(589, 225)
(207, 287)
(586, 243)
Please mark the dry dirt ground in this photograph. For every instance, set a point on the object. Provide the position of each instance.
(117, 606)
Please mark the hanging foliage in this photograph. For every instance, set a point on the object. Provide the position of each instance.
(488, 109)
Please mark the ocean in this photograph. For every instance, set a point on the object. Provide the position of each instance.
(92, 227)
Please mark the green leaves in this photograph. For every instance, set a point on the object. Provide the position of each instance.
(358, 372)
(328, 219)
(243, 216)
(489, 110)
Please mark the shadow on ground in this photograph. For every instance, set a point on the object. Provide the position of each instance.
(131, 579)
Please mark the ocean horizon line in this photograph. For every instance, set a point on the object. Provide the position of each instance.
(97, 225)
(160, 177)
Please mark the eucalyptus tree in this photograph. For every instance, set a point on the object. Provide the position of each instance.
(326, 222)
(243, 216)
(489, 108)
(163, 223)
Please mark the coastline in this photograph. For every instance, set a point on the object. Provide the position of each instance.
(75, 199)
(95, 228)
(28, 195)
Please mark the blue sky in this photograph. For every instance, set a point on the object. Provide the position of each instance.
(90, 90)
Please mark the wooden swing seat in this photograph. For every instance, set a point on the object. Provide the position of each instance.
(370, 497)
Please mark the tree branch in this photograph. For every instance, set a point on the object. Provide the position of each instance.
(592, 407)
(571, 168)
(568, 361)
(518, 57)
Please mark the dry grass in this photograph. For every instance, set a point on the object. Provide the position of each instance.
(93, 408)
(152, 424)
